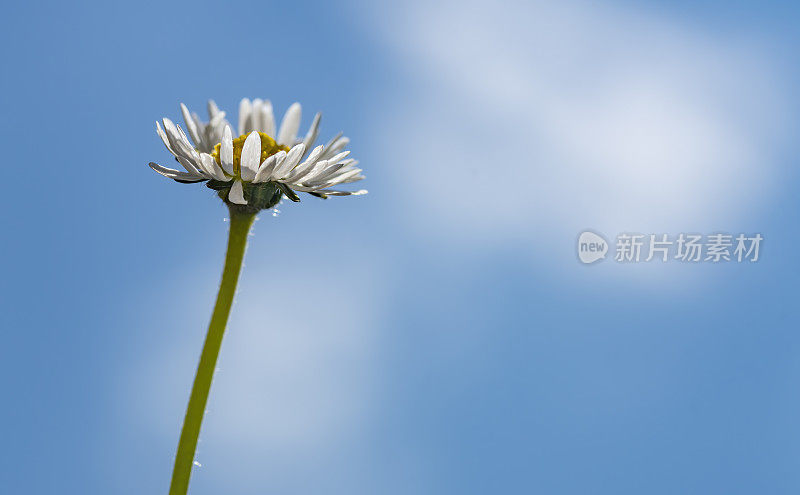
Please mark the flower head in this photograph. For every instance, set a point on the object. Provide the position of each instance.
(259, 166)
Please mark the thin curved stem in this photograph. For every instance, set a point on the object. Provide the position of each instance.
(237, 242)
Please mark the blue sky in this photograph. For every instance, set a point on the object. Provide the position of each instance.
(437, 335)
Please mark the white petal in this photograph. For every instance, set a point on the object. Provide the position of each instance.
(163, 137)
(301, 188)
(255, 116)
(197, 121)
(180, 144)
(307, 166)
(330, 173)
(315, 154)
(349, 180)
(292, 159)
(290, 125)
(349, 161)
(321, 169)
(268, 119)
(213, 109)
(245, 109)
(172, 132)
(226, 151)
(202, 132)
(184, 137)
(204, 167)
(338, 158)
(320, 176)
(343, 177)
(251, 156)
(331, 192)
(266, 168)
(261, 112)
(318, 168)
(190, 166)
(236, 194)
(217, 119)
(174, 174)
(335, 146)
(214, 131)
(191, 125)
(280, 157)
(330, 144)
(212, 168)
(313, 132)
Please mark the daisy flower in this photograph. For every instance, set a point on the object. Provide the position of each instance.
(251, 170)
(261, 165)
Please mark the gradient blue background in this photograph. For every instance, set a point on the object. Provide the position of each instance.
(487, 360)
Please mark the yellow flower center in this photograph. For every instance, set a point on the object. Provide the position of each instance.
(268, 148)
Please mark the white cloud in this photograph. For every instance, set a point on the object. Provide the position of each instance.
(298, 361)
(551, 117)
(294, 379)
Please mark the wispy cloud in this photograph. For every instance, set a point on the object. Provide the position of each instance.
(550, 117)
(294, 381)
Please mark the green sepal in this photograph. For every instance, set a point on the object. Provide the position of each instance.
(319, 194)
(218, 185)
(288, 192)
(262, 195)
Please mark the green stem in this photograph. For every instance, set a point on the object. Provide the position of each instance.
(237, 242)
